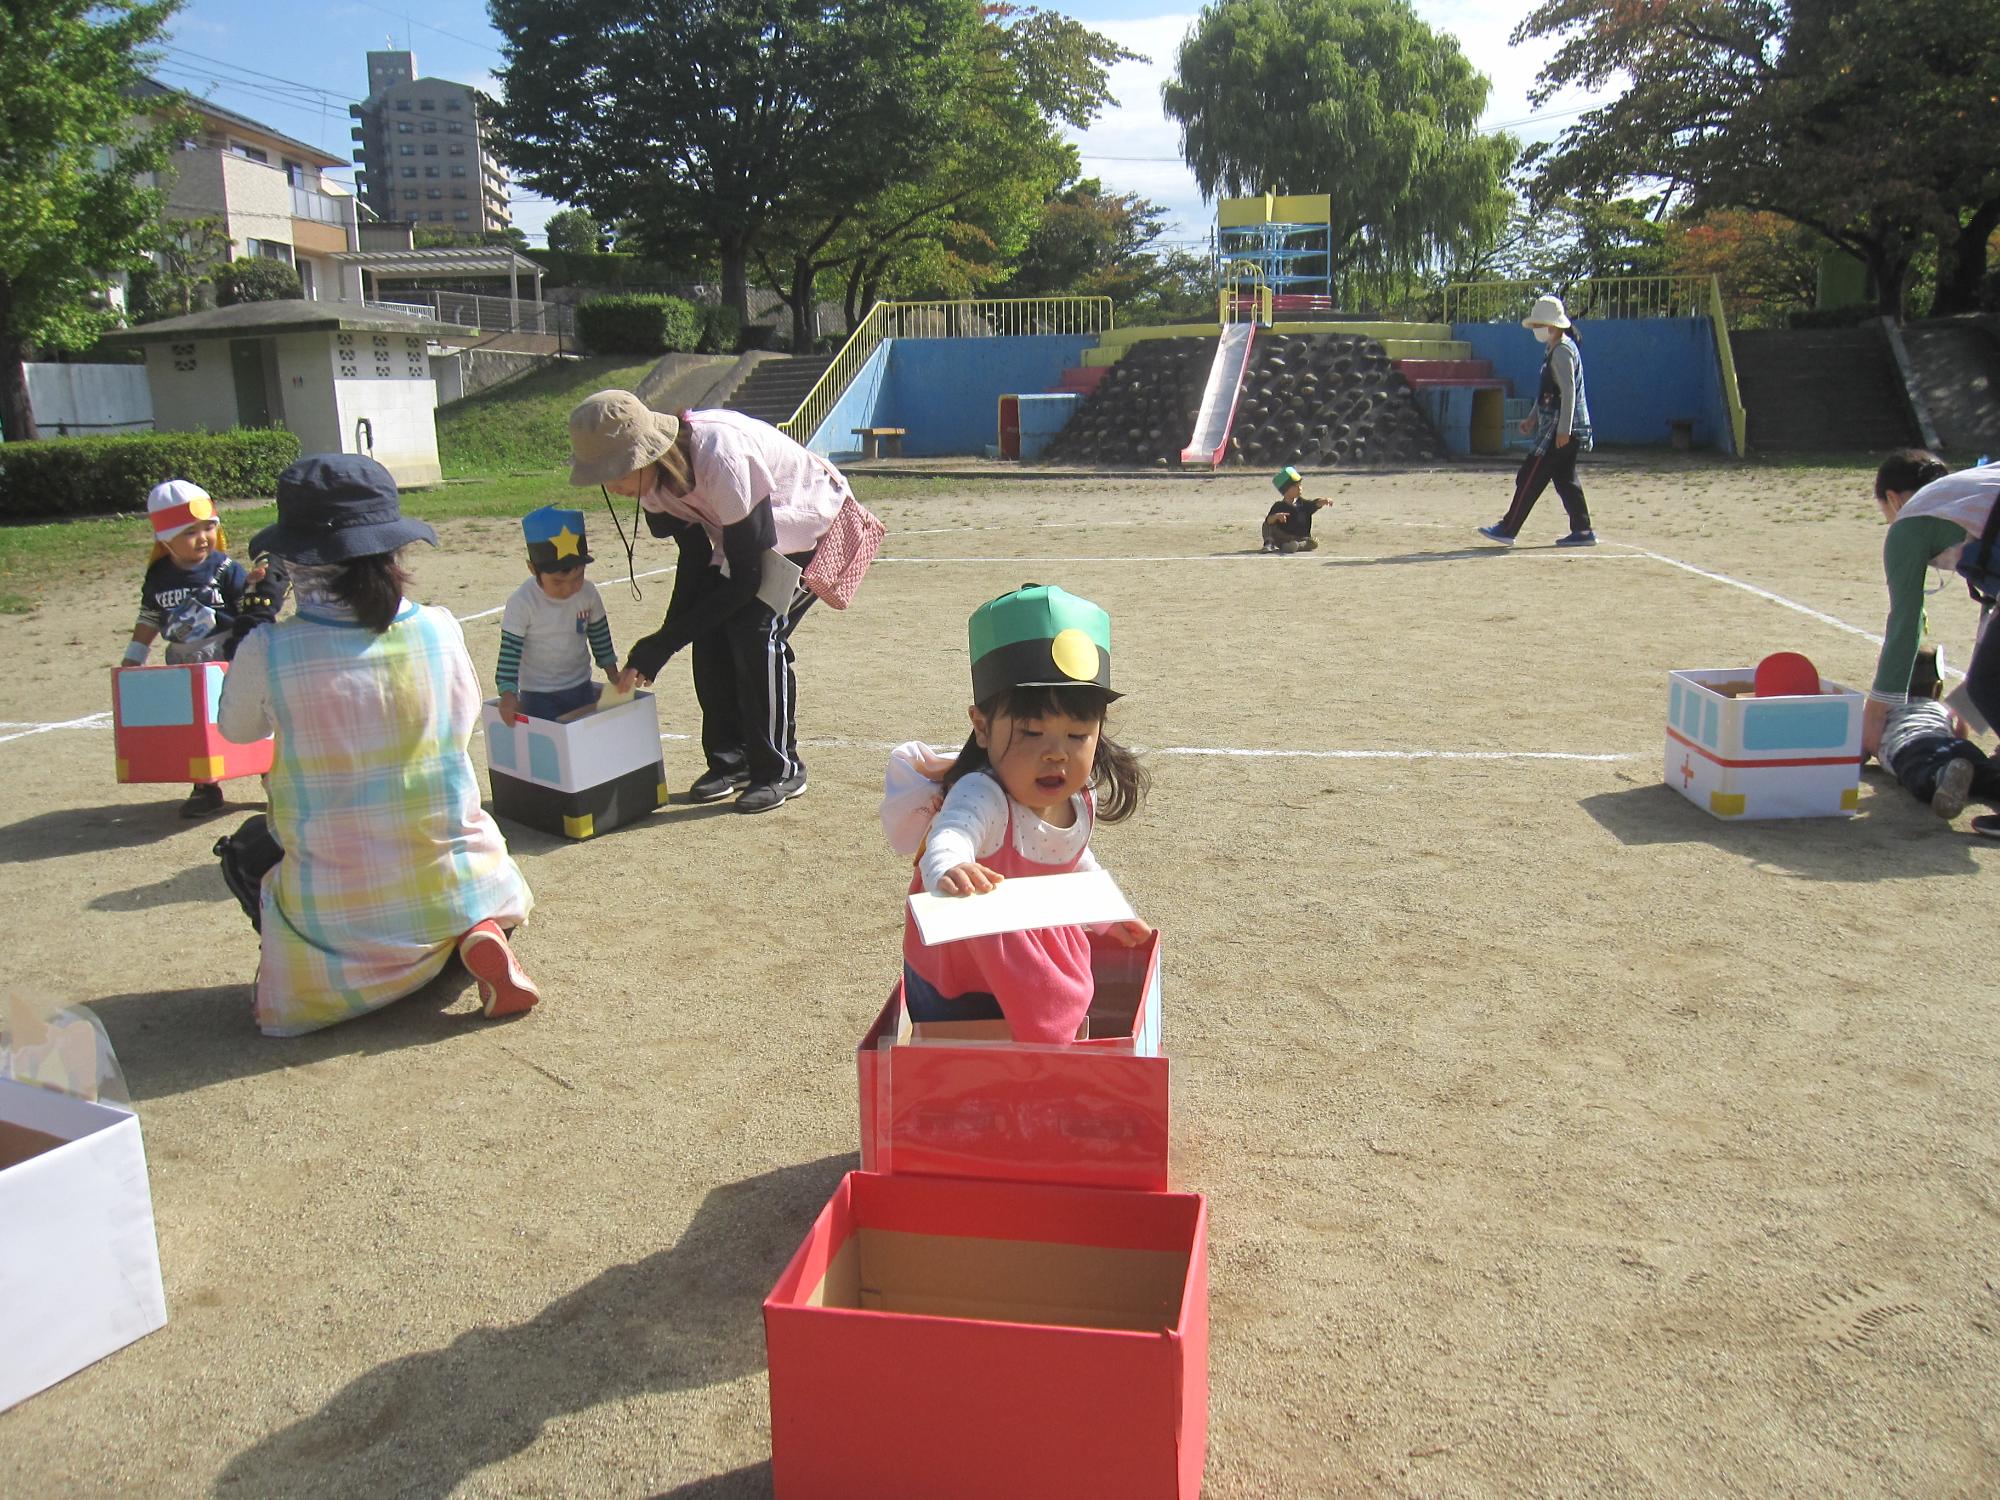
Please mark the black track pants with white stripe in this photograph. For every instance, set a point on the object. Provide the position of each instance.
(744, 681)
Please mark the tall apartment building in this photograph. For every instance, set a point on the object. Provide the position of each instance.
(421, 153)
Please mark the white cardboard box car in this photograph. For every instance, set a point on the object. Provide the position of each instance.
(79, 1266)
(1736, 755)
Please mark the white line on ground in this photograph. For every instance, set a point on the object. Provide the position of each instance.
(835, 742)
(88, 721)
(1751, 588)
(1262, 558)
(624, 578)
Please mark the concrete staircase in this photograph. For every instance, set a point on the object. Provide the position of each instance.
(1956, 362)
(1810, 390)
(777, 386)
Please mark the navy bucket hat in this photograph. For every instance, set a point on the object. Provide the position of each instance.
(335, 507)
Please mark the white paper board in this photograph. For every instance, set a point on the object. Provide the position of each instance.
(780, 582)
(1021, 904)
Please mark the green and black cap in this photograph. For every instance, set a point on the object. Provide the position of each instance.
(1285, 478)
(1039, 636)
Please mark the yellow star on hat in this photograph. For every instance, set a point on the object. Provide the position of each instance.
(566, 542)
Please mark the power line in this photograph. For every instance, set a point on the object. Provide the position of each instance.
(307, 88)
(408, 20)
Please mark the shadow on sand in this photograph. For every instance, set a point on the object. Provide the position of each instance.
(420, 1425)
(1892, 837)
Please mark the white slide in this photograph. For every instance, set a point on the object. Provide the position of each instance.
(1210, 443)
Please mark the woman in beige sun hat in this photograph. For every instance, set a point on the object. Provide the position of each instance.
(730, 490)
(1561, 425)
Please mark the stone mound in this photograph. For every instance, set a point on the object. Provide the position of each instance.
(1317, 400)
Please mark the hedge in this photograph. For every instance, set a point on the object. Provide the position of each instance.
(639, 325)
(255, 279)
(77, 476)
(721, 329)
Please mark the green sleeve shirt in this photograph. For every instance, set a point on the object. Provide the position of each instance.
(1906, 552)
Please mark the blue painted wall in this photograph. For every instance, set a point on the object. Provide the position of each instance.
(1639, 374)
(945, 391)
(859, 406)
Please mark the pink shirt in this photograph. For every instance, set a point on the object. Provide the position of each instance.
(1042, 978)
(740, 461)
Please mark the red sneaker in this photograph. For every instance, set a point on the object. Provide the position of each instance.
(504, 990)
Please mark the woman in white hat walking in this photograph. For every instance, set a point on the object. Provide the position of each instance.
(1561, 425)
(729, 489)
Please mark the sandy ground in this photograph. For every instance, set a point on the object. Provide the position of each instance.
(1558, 1138)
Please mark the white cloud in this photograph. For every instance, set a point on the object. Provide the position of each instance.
(1134, 148)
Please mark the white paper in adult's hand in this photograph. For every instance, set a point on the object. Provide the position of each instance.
(1021, 904)
(780, 581)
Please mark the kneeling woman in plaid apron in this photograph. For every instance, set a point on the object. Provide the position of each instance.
(732, 491)
(389, 865)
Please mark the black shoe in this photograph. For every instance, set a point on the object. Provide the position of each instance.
(1987, 826)
(771, 794)
(204, 800)
(718, 784)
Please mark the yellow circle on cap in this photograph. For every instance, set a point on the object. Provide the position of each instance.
(1075, 655)
(202, 508)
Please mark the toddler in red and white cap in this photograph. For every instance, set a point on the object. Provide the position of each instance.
(192, 594)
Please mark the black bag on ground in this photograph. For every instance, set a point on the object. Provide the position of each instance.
(247, 855)
(1976, 564)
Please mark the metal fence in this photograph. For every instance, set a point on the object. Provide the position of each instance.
(488, 314)
(996, 317)
(1598, 297)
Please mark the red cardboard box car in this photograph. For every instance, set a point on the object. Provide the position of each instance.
(946, 1339)
(163, 726)
(961, 1100)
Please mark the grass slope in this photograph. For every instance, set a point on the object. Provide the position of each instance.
(524, 425)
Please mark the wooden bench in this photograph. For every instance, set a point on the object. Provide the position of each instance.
(881, 442)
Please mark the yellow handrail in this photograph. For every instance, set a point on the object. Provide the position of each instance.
(972, 317)
(819, 401)
(1719, 321)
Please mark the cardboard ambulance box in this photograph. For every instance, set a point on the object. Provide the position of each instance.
(163, 726)
(79, 1266)
(962, 1100)
(577, 777)
(1740, 756)
(940, 1337)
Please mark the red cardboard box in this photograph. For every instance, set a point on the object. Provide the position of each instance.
(163, 726)
(940, 1339)
(963, 1101)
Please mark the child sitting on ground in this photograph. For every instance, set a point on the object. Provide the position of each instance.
(553, 625)
(193, 594)
(1019, 799)
(1288, 526)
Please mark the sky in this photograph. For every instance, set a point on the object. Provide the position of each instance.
(299, 79)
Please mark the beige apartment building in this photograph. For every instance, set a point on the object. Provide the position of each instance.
(421, 151)
(267, 190)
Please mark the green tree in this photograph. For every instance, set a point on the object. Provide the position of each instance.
(1766, 265)
(255, 278)
(1869, 121)
(713, 116)
(1358, 99)
(574, 230)
(72, 213)
(953, 222)
(182, 270)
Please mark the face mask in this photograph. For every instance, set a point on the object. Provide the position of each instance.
(1542, 335)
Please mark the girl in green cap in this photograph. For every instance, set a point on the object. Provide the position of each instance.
(1020, 798)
